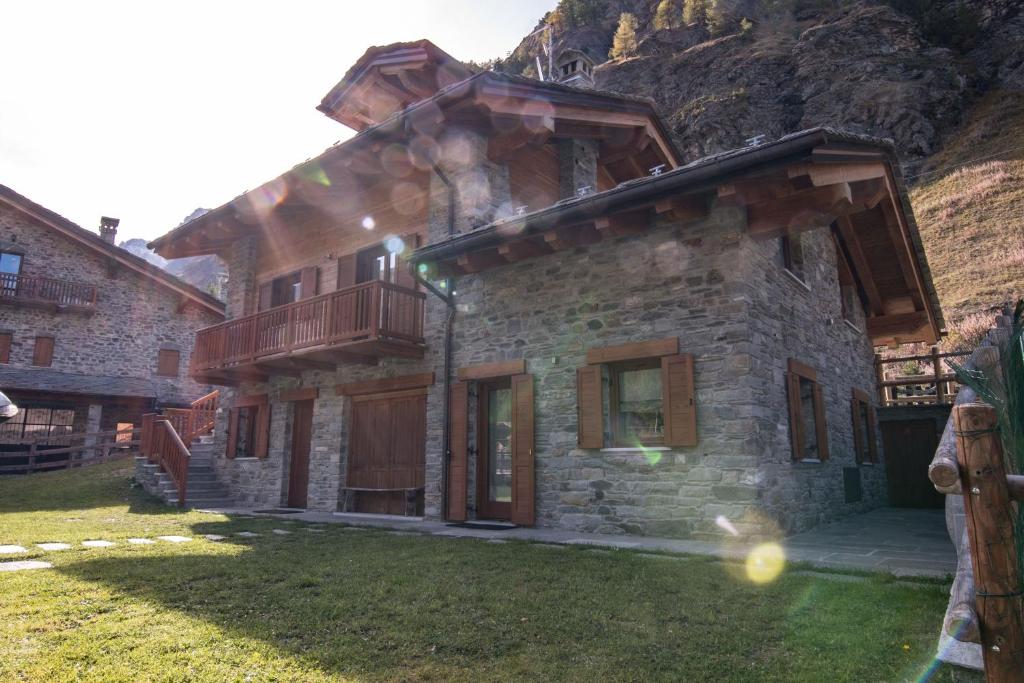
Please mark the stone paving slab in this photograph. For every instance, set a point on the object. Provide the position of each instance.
(141, 541)
(54, 546)
(280, 532)
(98, 544)
(174, 539)
(12, 549)
(214, 537)
(860, 542)
(21, 565)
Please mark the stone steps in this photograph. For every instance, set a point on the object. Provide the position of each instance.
(204, 488)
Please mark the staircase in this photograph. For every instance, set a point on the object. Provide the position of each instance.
(204, 489)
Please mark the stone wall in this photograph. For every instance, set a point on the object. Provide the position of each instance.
(135, 316)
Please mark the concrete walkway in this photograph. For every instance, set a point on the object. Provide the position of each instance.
(890, 540)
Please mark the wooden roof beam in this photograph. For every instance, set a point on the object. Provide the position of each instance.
(908, 326)
(684, 209)
(522, 249)
(821, 175)
(481, 260)
(860, 264)
(799, 212)
(622, 224)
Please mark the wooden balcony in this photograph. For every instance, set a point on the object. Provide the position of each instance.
(358, 324)
(45, 292)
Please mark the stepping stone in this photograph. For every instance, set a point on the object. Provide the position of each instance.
(655, 556)
(54, 546)
(23, 564)
(246, 534)
(214, 537)
(97, 544)
(280, 532)
(141, 541)
(497, 540)
(314, 531)
(174, 539)
(11, 549)
(353, 528)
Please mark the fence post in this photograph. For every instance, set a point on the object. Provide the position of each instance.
(940, 386)
(990, 519)
(879, 378)
(31, 467)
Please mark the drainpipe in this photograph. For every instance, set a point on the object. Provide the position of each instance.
(449, 301)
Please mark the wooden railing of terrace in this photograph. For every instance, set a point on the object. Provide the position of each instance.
(368, 311)
(197, 419)
(45, 290)
(936, 387)
(44, 453)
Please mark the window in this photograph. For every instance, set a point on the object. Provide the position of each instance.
(865, 440)
(42, 354)
(5, 346)
(635, 403)
(285, 289)
(289, 288)
(807, 429)
(48, 423)
(10, 269)
(649, 399)
(123, 438)
(377, 263)
(792, 253)
(168, 361)
(249, 427)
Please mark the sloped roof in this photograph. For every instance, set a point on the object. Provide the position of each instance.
(94, 242)
(47, 379)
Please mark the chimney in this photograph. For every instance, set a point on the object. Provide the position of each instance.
(108, 228)
(575, 68)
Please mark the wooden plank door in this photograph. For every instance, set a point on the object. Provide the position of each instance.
(298, 471)
(909, 447)
(523, 484)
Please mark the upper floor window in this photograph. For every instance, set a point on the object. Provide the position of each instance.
(289, 288)
(10, 269)
(285, 289)
(792, 253)
(377, 263)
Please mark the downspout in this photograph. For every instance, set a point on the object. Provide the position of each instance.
(449, 301)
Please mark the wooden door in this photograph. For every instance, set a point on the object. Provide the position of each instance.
(298, 471)
(387, 449)
(909, 448)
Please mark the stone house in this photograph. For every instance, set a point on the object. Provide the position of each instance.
(91, 336)
(508, 299)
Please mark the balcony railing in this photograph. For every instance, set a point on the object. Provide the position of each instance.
(31, 289)
(367, 312)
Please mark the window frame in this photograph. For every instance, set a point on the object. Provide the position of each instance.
(619, 438)
(163, 371)
(258, 428)
(797, 371)
(861, 399)
(797, 267)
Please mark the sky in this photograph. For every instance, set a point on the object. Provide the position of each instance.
(146, 111)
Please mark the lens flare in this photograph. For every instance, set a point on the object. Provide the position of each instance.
(765, 562)
(394, 244)
(653, 456)
(314, 173)
(369, 223)
(722, 522)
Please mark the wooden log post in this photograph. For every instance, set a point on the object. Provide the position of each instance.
(940, 386)
(990, 519)
(880, 380)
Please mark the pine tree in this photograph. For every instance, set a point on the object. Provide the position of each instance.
(668, 15)
(624, 42)
(695, 12)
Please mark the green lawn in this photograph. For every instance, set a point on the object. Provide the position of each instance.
(358, 605)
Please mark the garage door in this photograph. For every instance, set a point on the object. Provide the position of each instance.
(387, 449)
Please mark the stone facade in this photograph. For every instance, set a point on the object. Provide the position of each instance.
(135, 318)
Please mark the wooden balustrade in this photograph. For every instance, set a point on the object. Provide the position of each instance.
(45, 290)
(930, 388)
(171, 453)
(204, 415)
(367, 311)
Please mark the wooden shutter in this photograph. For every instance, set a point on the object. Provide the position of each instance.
(819, 423)
(262, 431)
(5, 347)
(346, 271)
(308, 279)
(858, 444)
(589, 413)
(404, 276)
(232, 432)
(795, 425)
(458, 435)
(678, 400)
(266, 292)
(523, 496)
(168, 363)
(42, 354)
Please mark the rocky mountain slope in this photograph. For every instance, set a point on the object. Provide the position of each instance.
(942, 78)
(201, 271)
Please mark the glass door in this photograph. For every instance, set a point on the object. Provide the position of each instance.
(494, 450)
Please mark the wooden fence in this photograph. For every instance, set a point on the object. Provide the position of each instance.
(40, 454)
(936, 387)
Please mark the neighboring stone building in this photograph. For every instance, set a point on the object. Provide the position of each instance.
(591, 334)
(91, 336)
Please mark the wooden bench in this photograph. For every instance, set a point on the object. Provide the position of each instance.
(348, 497)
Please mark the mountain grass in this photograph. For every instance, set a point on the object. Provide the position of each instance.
(342, 604)
(969, 203)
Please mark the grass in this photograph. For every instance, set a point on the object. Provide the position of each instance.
(969, 207)
(347, 604)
